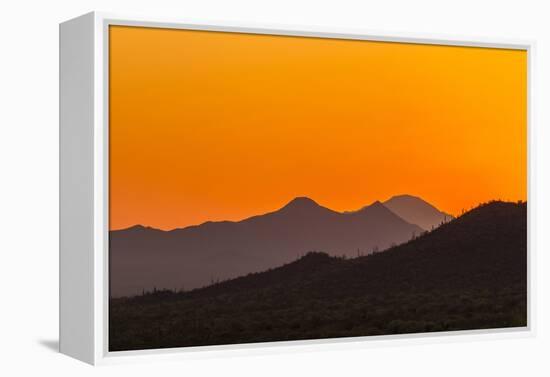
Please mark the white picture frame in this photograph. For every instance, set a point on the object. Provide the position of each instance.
(84, 190)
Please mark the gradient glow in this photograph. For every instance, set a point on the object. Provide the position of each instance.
(222, 126)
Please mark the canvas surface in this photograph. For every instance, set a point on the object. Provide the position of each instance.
(267, 188)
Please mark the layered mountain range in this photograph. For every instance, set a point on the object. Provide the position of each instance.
(469, 273)
(144, 258)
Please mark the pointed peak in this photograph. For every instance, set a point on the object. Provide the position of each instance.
(136, 227)
(373, 205)
(376, 206)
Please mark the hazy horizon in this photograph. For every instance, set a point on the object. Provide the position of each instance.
(345, 211)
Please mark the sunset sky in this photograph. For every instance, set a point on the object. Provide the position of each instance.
(222, 126)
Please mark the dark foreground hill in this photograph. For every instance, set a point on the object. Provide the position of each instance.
(470, 273)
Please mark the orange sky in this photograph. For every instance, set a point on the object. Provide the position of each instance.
(222, 126)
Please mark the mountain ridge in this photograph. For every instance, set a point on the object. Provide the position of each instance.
(143, 258)
(299, 202)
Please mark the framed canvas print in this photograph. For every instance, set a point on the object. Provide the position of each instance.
(230, 187)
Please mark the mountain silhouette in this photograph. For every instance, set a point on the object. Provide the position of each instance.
(470, 273)
(143, 258)
(303, 203)
(417, 211)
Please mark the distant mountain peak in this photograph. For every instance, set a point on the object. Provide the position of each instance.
(138, 228)
(301, 202)
(417, 211)
(405, 197)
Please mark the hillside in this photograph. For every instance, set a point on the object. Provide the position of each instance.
(467, 274)
(143, 258)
